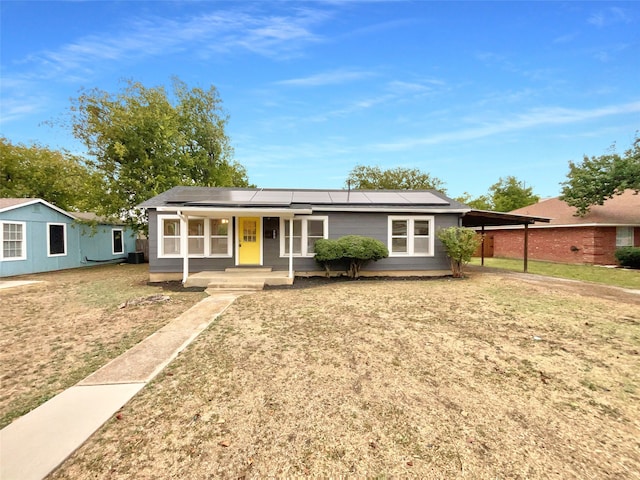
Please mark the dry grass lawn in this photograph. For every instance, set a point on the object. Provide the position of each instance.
(495, 376)
(54, 334)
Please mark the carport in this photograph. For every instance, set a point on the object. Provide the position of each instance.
(484, 218)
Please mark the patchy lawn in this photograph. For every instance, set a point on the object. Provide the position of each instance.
(489, 377)
(52, 335)
(619, 277)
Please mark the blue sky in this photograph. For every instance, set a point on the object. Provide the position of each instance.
(467, 91)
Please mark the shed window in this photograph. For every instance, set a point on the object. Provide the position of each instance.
(624, 237)
(14, 245)
(411, 236)
(306, 231)
(117, 241)
(57, 239)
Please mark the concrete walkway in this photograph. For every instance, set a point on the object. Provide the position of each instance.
(34, 445)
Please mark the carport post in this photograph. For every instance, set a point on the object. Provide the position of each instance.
(482, 247)
(526, 247)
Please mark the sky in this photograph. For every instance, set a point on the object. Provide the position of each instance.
(469, 92)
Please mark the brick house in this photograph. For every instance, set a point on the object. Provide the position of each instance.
(591, 239)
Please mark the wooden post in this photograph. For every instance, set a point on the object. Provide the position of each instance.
(482, 247)
(526, 247)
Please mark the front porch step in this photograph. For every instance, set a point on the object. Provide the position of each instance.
(235, 287)
(248, 269)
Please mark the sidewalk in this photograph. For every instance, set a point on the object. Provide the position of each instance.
(34, 445)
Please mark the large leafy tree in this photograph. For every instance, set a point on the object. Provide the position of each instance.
(56, 176)
(510, 193)
(599, 178)
(144, 142)
(503, 196)
(364, 177)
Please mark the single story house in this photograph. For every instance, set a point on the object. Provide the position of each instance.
(200, 229)
(592, 239)
(37, 236)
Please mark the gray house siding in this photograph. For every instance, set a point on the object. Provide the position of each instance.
(371, 224)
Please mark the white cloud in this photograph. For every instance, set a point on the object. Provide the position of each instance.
(224, 31)
(535, 118)
(335, 77)
(609, 16)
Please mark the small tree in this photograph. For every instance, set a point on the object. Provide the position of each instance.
(354, 250)
(460, 243)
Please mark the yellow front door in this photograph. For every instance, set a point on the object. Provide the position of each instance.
(249, 241)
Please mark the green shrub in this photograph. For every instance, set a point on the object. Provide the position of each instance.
(328, 253)
(628, 256)
(460, 243)
(352, 250)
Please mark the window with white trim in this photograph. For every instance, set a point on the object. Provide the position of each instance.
(624, 236)
(219, 239)
(196, 236)
(117, 241)
(410, 236)
(206, 237)
(57, 239)
(14, 244)
(306, 231)
(169, 236)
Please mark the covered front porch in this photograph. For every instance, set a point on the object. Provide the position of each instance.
(231, 247)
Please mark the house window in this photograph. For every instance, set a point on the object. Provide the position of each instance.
(117, 244)
(410, 236)
(57, 239)
(624, 237)
(219, 243)
(196, 236)
(306, 231)
(169, 237)
(14, 245)
(206, 237)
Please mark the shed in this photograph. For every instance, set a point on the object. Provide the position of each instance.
(37, 237)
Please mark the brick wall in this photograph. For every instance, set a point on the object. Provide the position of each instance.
(594, 245)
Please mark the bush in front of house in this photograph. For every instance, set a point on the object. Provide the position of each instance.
(459, 243)
(628, 256)
(353, 250)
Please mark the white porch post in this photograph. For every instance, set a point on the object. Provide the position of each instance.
(184, 245)
(291, 248)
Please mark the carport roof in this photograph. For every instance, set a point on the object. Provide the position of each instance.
(485, 218)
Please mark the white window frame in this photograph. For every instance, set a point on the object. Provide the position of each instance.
(207, 237)
(203, 237)
(161, 220)
(304, 237)
(64, 239)
(411, 219)
(113, 241)
(627, 239)
(23, 241)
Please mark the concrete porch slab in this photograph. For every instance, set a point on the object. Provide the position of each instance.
(238, 278)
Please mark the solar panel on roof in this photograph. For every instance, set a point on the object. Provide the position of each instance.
(423, 198)
(311, 197)
(272, 197)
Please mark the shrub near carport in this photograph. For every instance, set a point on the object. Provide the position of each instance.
(460, 243)
(354, 250)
